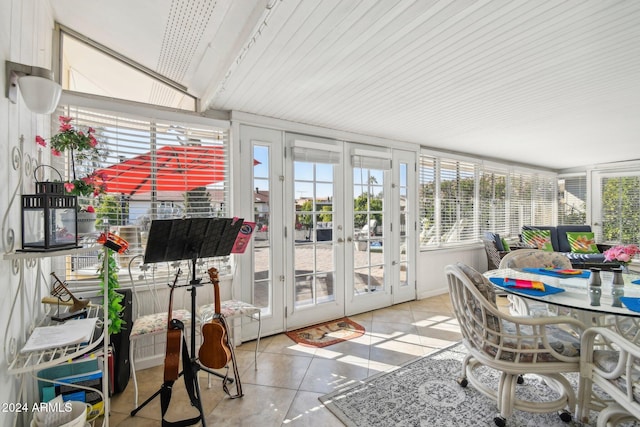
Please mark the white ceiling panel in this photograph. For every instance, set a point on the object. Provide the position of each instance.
(549, 83)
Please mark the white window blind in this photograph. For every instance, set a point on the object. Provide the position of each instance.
(572, 200)
(366, 162)
(493, 200)
(427, 201)
(520, 203)
(155, 169)
(457, 201)
(312, 155)
(544, 199)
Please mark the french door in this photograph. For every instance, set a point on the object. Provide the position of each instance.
(335, 231)
(314, 212)
(380, 251)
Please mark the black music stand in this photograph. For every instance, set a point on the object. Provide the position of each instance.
(190, 239)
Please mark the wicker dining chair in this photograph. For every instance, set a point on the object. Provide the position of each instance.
(531, 258)
(615, 369)
(514, 346)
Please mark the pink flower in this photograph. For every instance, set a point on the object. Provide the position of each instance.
(92, 140)
(621, 253)
(91, 130)
(65, 127)
(90, 209)
(40, 141)
(69, 186)
(56, 152)
(64, 119)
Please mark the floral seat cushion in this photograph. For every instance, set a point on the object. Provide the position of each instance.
(607, 360)
(229, 309)
(155, 323)
(561, 341)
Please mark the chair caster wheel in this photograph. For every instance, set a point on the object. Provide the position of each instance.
(520, 379)
(565, 416)
(463, 382)
(500, 422)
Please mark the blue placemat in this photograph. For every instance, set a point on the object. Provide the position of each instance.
(555, 272)
(632, 304)
(636, 282)
(548, 289)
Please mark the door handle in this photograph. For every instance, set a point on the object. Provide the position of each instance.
(349, 240)
(340, 240)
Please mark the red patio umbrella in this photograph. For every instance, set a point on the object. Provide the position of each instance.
(176, 168)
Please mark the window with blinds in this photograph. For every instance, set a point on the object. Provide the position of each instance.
(152, 169)
(492, 200)
(457, 201)
(520, 202)
(427, 201)
(460, 200)
(572, 200)
(544, 200)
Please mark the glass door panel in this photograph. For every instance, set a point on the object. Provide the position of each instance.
(368, 258)
(259, 276)
(404, 246)
(369, 239)
(315, 297)
(263, 280)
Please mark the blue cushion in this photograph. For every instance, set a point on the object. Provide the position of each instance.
(496, 239)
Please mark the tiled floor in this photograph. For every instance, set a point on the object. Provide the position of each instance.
(284, 390)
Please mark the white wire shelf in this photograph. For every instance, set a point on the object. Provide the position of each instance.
(41, 359)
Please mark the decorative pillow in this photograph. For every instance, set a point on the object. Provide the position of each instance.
(540, 239)
(582, 242)
(505, 245)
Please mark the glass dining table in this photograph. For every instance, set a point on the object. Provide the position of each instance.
(571, 291)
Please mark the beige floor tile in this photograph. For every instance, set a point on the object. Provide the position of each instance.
(307, 410)
(393, 315)
(260, 406)
(324, 375)
(283, 370)
(284, 390)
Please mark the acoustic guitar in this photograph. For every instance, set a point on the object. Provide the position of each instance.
(174, 334)
(214, 352)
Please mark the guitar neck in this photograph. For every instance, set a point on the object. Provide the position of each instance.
(216, 296)
(213, 275)
(170, 313)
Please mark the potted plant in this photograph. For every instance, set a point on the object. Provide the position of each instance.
(84, 154)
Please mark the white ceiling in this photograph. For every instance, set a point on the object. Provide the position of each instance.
(548, 83)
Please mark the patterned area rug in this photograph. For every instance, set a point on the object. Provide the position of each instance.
(424, 393)
(327, 333)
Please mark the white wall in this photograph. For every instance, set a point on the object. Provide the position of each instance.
(25, 37)
(431, 264)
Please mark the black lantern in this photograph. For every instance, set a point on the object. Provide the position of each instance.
(49, 219)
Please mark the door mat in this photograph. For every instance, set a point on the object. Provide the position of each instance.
(327, 333)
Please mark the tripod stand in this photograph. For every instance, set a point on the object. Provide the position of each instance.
(172, 240)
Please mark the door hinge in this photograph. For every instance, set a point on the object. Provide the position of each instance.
(391, 227)
(286, 311)
(285, 232)
(281, 278)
